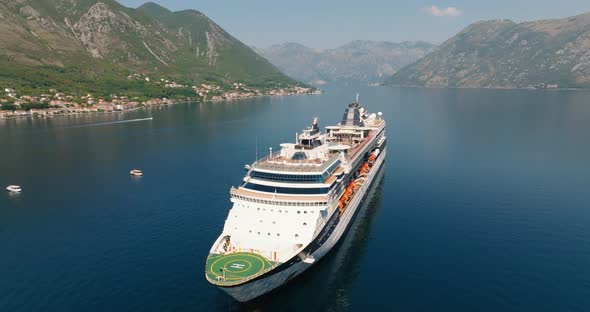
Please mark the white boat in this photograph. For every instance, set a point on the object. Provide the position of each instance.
(294, 205)
(14, 188)
(136, 172)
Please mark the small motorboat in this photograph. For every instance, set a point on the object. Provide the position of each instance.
(136, 172)
(14, 188)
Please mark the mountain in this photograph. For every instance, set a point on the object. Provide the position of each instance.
(360, 61)
(505, 54)
(97, 44)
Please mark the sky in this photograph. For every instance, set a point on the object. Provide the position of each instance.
(326, 24)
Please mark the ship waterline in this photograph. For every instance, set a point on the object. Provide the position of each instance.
(295, 204)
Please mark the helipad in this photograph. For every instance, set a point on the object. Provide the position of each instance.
(236, 268)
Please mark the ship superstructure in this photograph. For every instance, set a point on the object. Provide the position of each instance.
(295, 204)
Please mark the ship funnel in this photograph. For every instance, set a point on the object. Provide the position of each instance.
(314, 125)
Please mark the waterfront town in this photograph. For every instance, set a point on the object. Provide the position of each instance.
(55, 102)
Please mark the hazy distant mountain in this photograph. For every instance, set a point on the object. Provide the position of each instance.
(502, 53)
(362, 61)
(80, 42)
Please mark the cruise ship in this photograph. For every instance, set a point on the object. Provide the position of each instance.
(295, 204)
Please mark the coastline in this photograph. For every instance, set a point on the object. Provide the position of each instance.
(115, 107)
(132, 106)
(486, 88)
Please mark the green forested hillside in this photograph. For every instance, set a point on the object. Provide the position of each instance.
(95, 45)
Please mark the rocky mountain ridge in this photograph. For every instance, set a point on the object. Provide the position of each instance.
(503, 54)
(358, 61)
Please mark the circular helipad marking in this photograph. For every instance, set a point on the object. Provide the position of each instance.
(237, 266)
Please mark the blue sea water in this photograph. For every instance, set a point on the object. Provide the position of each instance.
(483, 206)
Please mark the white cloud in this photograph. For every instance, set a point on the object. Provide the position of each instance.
(436, 11)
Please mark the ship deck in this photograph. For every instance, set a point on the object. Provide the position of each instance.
(236, 268)
(260, 195)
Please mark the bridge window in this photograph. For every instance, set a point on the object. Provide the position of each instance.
(304, 178)
(296, 235)
(301, 178)
(286, 190)
(304, 223)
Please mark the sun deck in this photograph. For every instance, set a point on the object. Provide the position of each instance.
(283, 164)
(236, 268)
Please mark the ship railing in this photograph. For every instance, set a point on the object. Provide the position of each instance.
(296, 202)
(266, 163)
(360, 147)
(222, 282)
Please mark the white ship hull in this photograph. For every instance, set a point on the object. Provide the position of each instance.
(278, 277)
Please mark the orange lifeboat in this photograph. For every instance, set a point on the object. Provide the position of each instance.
(364, 168)
(350, 188)
(346, 197)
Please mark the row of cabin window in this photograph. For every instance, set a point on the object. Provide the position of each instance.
(276, 203)
(278, 234)
(286, 211)
(279, 210)
(274, 222)
(235, 228)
